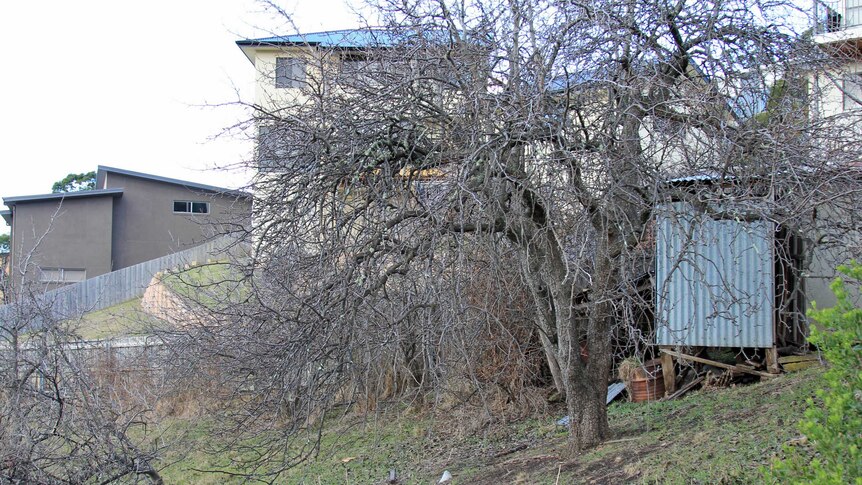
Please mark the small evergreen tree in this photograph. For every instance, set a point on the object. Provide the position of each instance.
(833, 429)
(75, 182)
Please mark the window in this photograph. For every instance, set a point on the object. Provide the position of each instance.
(751, 95)
(62, 275)
(355, 63)
(271, 148)
(191, 207)
(854, 13)
(289, 72)
(852, 90)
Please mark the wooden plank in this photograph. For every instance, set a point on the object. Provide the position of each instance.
(668, 373)
(684, 389)
(717, 364)
(795, 366)
(798, 358)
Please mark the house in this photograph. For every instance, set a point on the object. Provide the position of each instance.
(130, 217)
(291, 67)
(838, 32)
(299, 72)
(285, 64)
(750, 280)
(734, 282)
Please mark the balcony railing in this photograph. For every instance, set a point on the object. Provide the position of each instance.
(837, 15)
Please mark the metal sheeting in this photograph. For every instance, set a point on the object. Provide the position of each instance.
(714, 280)
(348, 38)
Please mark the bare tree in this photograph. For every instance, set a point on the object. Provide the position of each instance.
(476, 137)
(67, 415)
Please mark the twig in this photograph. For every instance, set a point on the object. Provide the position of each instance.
(684, 389)
(621, 440)
(511, 450)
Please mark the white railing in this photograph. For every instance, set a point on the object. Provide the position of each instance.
(835, 15)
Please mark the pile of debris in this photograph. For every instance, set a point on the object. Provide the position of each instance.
(696, 370)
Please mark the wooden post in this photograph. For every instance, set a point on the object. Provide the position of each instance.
(772, 360)
(668, 373)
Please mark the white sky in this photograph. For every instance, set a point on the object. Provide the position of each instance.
(106, 82)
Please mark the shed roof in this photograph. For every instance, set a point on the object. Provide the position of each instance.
(7, 216)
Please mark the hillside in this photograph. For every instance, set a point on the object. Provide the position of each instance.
(710, 436)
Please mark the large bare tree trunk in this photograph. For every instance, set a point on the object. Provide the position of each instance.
(582, 381)
(589, 382)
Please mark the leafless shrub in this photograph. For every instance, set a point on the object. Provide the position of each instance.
(68, 414)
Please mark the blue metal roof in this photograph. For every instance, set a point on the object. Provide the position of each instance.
(697, 178)
(574, 80)
(347, 39)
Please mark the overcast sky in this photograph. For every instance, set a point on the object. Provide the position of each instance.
(125, 84)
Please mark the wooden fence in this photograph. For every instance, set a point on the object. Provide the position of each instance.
(111, 288)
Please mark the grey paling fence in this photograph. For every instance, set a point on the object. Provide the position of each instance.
(133, 367)
(113, 288)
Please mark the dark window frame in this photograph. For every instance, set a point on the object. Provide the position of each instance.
(289, 72)
(851, 87)
(62, 275)
(192, 207)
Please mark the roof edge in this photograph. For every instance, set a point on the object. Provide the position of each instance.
(10, 201)
(283, 39)
(168, 180)
(337, 39)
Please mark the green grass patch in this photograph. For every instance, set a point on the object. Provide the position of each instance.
(352, 450)
(213, 285)
(123, 320)
(710, 436)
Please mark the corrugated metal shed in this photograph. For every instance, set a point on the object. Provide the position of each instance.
(714, 280)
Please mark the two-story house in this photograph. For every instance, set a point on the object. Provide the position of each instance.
(301, 73)
(838, 96)
(130, 217)
(769, 266)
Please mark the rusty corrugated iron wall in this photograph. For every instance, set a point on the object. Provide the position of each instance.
(715, 280)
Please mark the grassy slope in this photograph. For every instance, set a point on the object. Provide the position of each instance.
(212, 285)
(125, 319)
(711, 436)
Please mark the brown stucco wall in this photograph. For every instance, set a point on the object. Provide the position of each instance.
(70, 233)
(145, 226)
